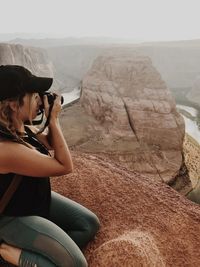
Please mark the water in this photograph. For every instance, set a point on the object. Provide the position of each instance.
(190, 125)
(71, 96)
(190, 110)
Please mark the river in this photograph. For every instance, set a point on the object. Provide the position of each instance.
(190, 124)
(71, 96)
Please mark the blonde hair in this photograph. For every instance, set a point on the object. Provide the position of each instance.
(6, 115)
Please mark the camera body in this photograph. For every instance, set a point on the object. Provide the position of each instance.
(50, 98)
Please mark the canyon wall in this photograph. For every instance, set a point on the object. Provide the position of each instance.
(34, 59)
(134, 117)
(178, 62)
(72, 63)
(194, 94)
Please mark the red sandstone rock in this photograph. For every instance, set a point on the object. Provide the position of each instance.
(143, 223)
(127, 112)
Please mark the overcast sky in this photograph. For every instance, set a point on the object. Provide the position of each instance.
(132, 19)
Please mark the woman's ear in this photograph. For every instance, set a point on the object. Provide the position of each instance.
(13, 106)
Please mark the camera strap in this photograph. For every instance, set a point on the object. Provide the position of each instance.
(47, 120)
(37, 122)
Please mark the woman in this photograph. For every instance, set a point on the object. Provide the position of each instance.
(38, 227)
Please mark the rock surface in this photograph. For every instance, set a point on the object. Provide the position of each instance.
(127, 112)
(34, 59)
(72, 62)
(178, 62)
(143, 223)
(192, 160)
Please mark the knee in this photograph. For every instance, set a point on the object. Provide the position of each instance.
(88, 227)
(92, 225)
(80, 261)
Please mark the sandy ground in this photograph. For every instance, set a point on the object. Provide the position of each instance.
(143, 223)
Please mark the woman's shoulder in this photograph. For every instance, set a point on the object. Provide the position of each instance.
(8, 150)
(7, 146)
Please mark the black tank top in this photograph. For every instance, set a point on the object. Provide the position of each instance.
(33, 195)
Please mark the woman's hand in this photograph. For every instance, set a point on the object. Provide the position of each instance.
(56, 109)
(46, 106)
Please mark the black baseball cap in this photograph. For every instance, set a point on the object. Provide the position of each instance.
(16, 80)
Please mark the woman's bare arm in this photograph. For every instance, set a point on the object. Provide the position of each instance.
(17, 158)
(20, 159)
(44, 137)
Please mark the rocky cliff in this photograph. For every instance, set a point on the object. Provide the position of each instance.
(194, 94)
(143, 222)
(34, 59)
(192, 160)
(178, 62)
(72, 62)
(132, 116)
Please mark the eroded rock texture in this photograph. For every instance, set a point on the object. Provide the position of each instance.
(34, 59)
(136, 122)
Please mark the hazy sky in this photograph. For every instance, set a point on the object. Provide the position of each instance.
(133, 19)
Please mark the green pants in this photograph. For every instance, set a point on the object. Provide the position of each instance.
(53, 242)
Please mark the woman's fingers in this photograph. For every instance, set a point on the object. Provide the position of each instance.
(46, 105)
(56, 105)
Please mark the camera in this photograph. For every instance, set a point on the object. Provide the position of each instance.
(50, 98)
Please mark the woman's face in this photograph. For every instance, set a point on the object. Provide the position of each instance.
(30, 107)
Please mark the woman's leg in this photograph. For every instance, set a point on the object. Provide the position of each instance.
(77, 221)
(18, 257)
(42, 242)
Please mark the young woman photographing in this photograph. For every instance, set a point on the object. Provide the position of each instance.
(38, 227)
